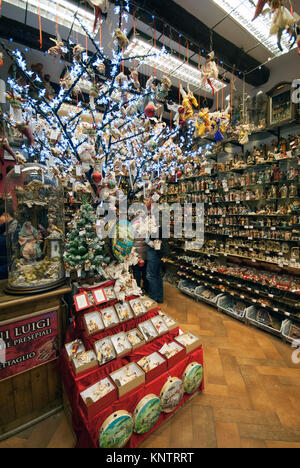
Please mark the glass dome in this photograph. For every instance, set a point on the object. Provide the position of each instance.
(34, 204)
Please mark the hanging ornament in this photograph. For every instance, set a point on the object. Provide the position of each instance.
(150, 110)
(5, 145)
(57, 50)
(282, 21)
(97, 177)
(188, 101)
(141, 263)
(101, 8)
(121, 38)
(210, 71)
(259, 8)
(25, 129)
(77, 52)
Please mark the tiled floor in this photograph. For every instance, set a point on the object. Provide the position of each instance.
(251, 397)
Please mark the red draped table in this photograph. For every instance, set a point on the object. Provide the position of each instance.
(87, 431)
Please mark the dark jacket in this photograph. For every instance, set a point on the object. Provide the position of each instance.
(3, 253)
(12, 229)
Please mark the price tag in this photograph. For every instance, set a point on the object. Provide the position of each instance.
(250, 227)
(275, 309)
(238, 202)
(271, 295)
(250, 238)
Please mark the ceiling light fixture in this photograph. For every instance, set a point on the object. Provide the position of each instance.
(170, 65)
(260, 28)
(61, 11)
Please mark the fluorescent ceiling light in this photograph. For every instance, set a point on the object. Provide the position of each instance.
(243, 13)
(61, 10)
(170, 65)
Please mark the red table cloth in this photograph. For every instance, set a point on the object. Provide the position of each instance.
(87, 430)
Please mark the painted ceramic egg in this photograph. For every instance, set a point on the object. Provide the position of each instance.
(192, 377)
(171, 394)
(122, 239)
(116, 430)
(146, 413)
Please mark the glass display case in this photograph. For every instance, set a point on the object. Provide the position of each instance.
(35, 230)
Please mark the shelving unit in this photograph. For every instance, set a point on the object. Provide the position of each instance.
(251, 221)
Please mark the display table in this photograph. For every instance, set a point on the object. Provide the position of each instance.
(30, 386)
(87, 430)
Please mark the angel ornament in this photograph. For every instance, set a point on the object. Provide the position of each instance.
(101, 8)
(188, 101)
(210, 71)
(58, 49)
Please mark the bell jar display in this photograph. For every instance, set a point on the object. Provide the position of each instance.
(34, 197)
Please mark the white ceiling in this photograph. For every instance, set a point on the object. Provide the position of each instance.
(210, 14)
(205, 10)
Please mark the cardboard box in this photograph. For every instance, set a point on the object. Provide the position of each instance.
(121, 344)
(109, 317)
(138, 307)
(99, 296)
(133, 370)
(160, 367)
(148, 303)
(110, 293)
(169, 321)
(73, 348)
(124, 311)
(82, 301)
(148, 330)
(89, 403)
(105, 351)
(159, 325)
(189, 341)
(135, 338)
(84, 361)
(176, 358)
(93, 322)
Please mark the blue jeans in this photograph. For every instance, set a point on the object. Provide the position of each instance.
(155, 282)
(140, 274)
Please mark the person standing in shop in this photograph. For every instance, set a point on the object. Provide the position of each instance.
(157, 249)
(8, 227)
(140, 270)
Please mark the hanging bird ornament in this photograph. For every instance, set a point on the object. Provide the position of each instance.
(58, 49)
(101, 8)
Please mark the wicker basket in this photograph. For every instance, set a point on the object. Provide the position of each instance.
(251, 317)
(182, 286)
(198, 292)
(224, 301)
(285, 331)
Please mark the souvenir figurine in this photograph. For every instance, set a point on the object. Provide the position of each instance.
(29, 240)
(188, 101)
(101, 8)
(57, 50)
(210, 71)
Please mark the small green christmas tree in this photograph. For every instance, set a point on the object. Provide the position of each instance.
(85, 253)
